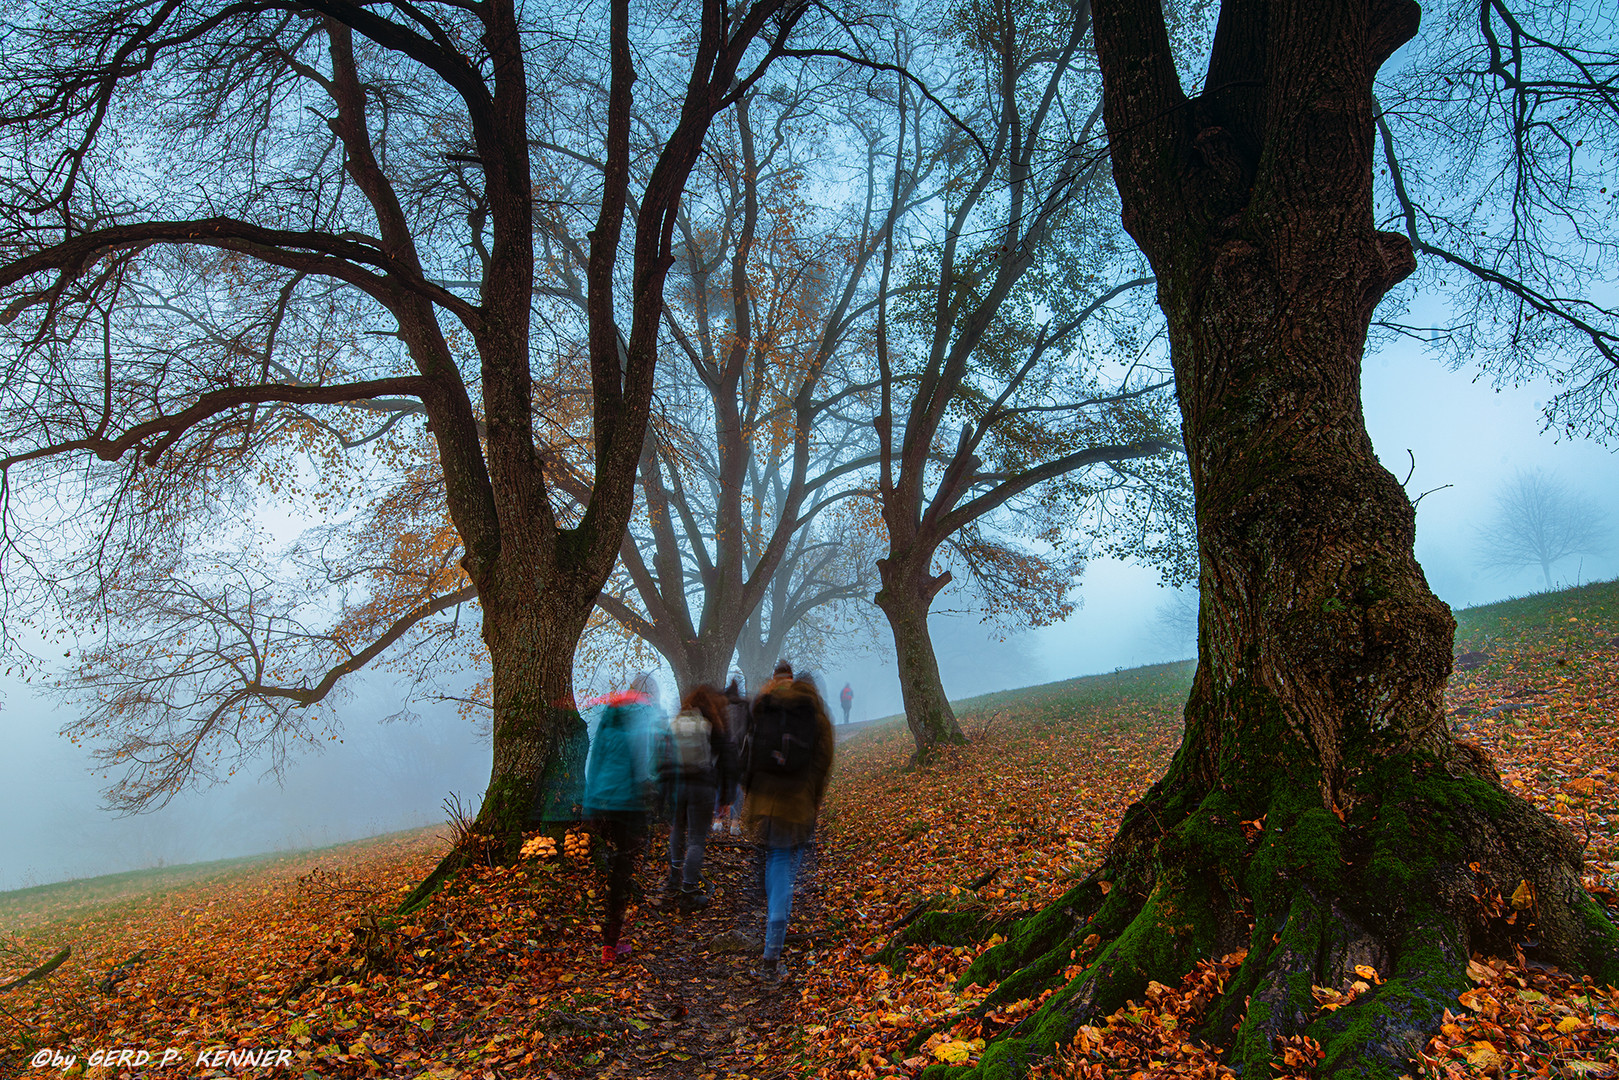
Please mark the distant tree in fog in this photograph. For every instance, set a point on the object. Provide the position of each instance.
(1174, 626)
(1538, 522)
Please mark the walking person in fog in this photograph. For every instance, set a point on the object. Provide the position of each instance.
(782, 676)
(789, 760)
(618, 789)
(736, 724)
(846, 699)
(699, 762)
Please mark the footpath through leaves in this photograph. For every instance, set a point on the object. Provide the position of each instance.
(500, 975)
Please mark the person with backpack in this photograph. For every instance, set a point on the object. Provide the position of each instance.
(618, 788)
(787, 764)
(846, 699)
(697, 763)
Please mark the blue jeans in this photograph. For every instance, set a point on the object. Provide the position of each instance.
(781, 873)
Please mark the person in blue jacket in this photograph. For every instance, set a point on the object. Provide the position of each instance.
(618, 789)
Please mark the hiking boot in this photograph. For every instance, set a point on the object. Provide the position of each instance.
(695, 899)
(671, 880)
(770, 972)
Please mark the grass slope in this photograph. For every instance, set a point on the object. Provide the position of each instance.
(65, 904)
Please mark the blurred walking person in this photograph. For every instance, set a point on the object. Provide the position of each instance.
(781, 676)
(789, 760)
(701, 766)
(618, 789)
(846, 699)
(736, 724)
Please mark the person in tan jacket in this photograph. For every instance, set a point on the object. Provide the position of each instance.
(788, 766)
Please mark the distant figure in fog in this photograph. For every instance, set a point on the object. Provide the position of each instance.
(846, 699)
(618, 789)
(699, 763)
(789, 759)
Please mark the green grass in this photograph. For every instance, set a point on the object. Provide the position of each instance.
(1141, 684)
(1060, 701)
(112, 896)
(1538, 617)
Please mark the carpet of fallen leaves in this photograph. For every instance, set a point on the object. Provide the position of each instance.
(500, 977)
(1042, 788)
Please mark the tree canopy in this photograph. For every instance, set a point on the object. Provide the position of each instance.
(239, 239)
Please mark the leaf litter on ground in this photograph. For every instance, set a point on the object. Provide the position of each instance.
(500, 976)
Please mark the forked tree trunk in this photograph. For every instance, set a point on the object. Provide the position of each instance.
(701, 662)
(1318, 814)
(905, 598)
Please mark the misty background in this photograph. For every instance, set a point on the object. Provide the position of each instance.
(389, 774)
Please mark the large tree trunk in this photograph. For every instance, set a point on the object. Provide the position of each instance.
(905, 598)
(1319, 813)
(536, 778)
(704, 661)
(537, 775)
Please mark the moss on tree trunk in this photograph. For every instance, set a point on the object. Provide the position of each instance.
(1409, 883)
(537, 774)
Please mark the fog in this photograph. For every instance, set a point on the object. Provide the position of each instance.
(1465, 436)
(382, 775)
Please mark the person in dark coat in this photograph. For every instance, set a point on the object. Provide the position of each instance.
(695, 788)
(618, 788)
(781, 811)
(736, 724)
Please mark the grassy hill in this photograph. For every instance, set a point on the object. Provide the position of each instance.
(109, 897)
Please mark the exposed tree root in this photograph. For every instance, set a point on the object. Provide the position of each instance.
(447, 868)
(41, 971)
(1433, 862)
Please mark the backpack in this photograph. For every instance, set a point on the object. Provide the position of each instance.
(781, 737)
(691, 753)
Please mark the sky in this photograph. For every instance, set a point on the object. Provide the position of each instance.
(394, 775)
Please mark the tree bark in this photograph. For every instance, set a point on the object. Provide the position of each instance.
(905, 597)
(1318, 814)
(701, 662)
(537, 581)
(537, 774)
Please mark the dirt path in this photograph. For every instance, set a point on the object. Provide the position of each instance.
(706, 1015)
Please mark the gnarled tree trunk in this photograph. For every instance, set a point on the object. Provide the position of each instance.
(1319, 814)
